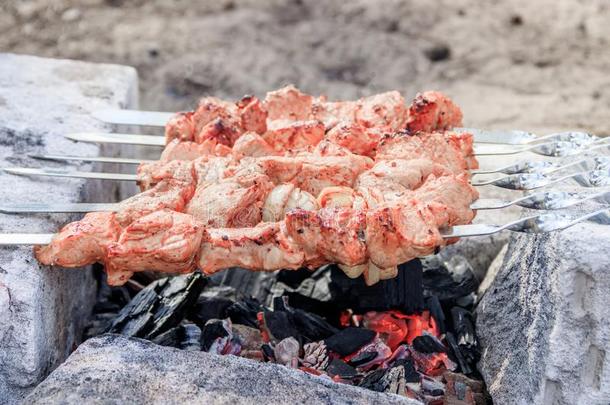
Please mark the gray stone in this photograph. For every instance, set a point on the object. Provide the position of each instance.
(42, 310)
(543, 320)
(115, 369)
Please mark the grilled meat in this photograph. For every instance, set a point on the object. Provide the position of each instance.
(287, 182)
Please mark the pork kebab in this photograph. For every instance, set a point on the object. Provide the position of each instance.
(367, 202)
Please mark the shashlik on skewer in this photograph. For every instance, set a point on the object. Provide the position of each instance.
(231, 192)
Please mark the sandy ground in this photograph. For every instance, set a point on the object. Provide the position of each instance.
(537, 65)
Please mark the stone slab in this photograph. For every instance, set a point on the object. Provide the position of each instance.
(119, 370)
(42, 310)
(543, 318)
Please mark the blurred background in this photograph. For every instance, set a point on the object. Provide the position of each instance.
(538, 65)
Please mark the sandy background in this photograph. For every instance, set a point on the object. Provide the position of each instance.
(536, 65)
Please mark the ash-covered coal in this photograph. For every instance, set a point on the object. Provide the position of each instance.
(397, 337)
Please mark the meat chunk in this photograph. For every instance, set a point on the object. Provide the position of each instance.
(164, 241)
(186, 150)
(288, 103)
(446, 150)
(82, 242)
(433, 111)
(286, 197)
(229, 204)
(168, 194)
(355, 137)
(318, 173)
(399, 232)
(285, 135)
(224, 131)
(253, 114)
(180, 127)
(394, 177)
(262, 248)
(253, 145)
(178, 171)
(386, 111)
(334, 234)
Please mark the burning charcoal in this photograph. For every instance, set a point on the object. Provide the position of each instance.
(250, 338)
(348, 340)
(315, 356)
(432, 363)
(159, 306)
(457, 354)
(391, 380)
(217, 337)
(185, 337)
(379, 348)
(457, 390)
(244, 312)
(286, 352)
(403, 293)
(338, 367)
(427, 343)
(449, 279)
(278, 325)
(467, 341)
(207, 308)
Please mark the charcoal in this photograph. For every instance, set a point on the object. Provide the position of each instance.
(390, 380)
(219, 291)
(279, 325)
(456, 354)
(432, 387)
(465, 335)
(217, 337)
(310, 326)
(436, 310)
(449, 280)
(247, 283)
(403, 293)
(98, 324)
(338, 367)
(286, 352)
(268, 352)
(244, 312)
(207, 308)
(251, 338)
(158, 307)
(427, 343)
(362, 358)
(411, 374)
(185, 337)
(349, 340)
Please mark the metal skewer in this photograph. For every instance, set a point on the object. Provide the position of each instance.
(539, 201)
(99, 159)
(66, 173)
(513, 137)
(535, 224)
(532, 181)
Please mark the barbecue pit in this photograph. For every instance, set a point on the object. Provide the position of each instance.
(341, 371)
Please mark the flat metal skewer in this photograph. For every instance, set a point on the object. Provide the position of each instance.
(99, 159)
(124, 139)
(511, 137)
(534, 224)
(26, 208)
(26, 171)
